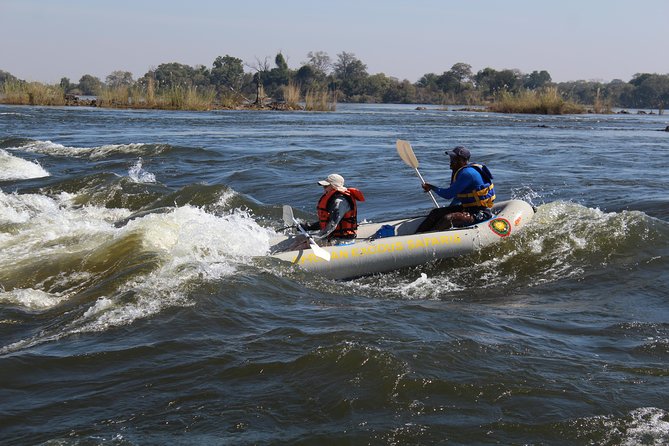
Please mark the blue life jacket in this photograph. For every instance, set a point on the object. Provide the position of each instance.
(483, 195)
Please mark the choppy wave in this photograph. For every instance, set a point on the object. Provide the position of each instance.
(14, 168)
(93, 153)
(134, 311)
(563, 241)
(53, 252)
(644, 425)
(30, 299)
(59, 247)
(139, 175)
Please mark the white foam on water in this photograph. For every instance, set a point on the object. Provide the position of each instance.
(644, 425)
(186, 247)
(42, 226)
(559, 243)
(37, 230)
(101, 305)
(423, 287)
(194, 247)
(649, 425)
(14, 168)
(225, 197)
(30, 298)
(55, 149)
(138, 175)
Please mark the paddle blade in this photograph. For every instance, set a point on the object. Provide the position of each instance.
(320, 252)
(288, 218)
(406, 153)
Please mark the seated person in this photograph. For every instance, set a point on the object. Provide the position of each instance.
(337, 212)
(471, 190)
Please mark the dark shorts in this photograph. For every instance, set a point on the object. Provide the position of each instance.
(481, 215)
(437, 219)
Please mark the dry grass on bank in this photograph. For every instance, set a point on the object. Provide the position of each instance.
(178, 98)
(320, 100)
(291, 95)
(190, 98)
(545, 102)
(31, 93)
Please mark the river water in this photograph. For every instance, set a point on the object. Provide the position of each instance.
(138, 306)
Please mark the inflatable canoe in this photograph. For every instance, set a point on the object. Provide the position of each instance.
(400, 246)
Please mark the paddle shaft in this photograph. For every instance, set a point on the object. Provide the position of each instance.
(289, 217)
(434, 200)
(320, 252)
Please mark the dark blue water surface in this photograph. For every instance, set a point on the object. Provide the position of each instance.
(138, 305)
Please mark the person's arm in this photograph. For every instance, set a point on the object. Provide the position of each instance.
(338, 208)
(462, 183)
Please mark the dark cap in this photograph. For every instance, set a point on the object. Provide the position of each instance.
(461, 151)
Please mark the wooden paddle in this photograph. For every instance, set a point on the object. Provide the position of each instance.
(289, 219)
(406, 153)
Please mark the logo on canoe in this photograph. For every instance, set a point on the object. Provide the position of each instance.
(500, 226)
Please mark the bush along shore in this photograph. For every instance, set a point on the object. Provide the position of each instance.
(320, 83)
(547, 101)
(176, 98)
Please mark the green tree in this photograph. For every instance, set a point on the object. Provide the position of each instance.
(280, 62)
(6, 76)
(429, 81)
(90, 85)
(639, 78)
(227, 73)
(448, 82)
(462, 72)
(273, 80)
(653, 91)
(377, 87)
(65, 84)
(492, 81)
(201, 77)
(320, 62)
(537, 80)
(349, 67)
(307, 76)
(350, 72)
(485, 80)
(173, 74)
(583, 92)
(119, 78)
(400, 93)
(620, 93)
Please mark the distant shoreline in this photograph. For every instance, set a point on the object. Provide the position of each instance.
(281, 106)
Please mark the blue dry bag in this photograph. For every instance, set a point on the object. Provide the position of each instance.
(384, 231)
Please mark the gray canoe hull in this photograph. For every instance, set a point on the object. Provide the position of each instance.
(365, 256)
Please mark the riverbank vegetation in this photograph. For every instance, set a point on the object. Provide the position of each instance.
(545, 102)
(320, 83)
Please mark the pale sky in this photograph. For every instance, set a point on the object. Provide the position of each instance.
(45, 40)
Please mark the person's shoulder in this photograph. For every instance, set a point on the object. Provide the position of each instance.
(471, 171)
(339, 198)
(471, 174)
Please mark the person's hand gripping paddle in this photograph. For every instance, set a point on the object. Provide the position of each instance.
(289, 219)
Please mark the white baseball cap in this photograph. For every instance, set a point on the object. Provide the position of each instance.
(334, 180)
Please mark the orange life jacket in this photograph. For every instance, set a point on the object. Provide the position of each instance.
(349, 223)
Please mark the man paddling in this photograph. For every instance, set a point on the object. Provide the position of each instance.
(471, 190)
